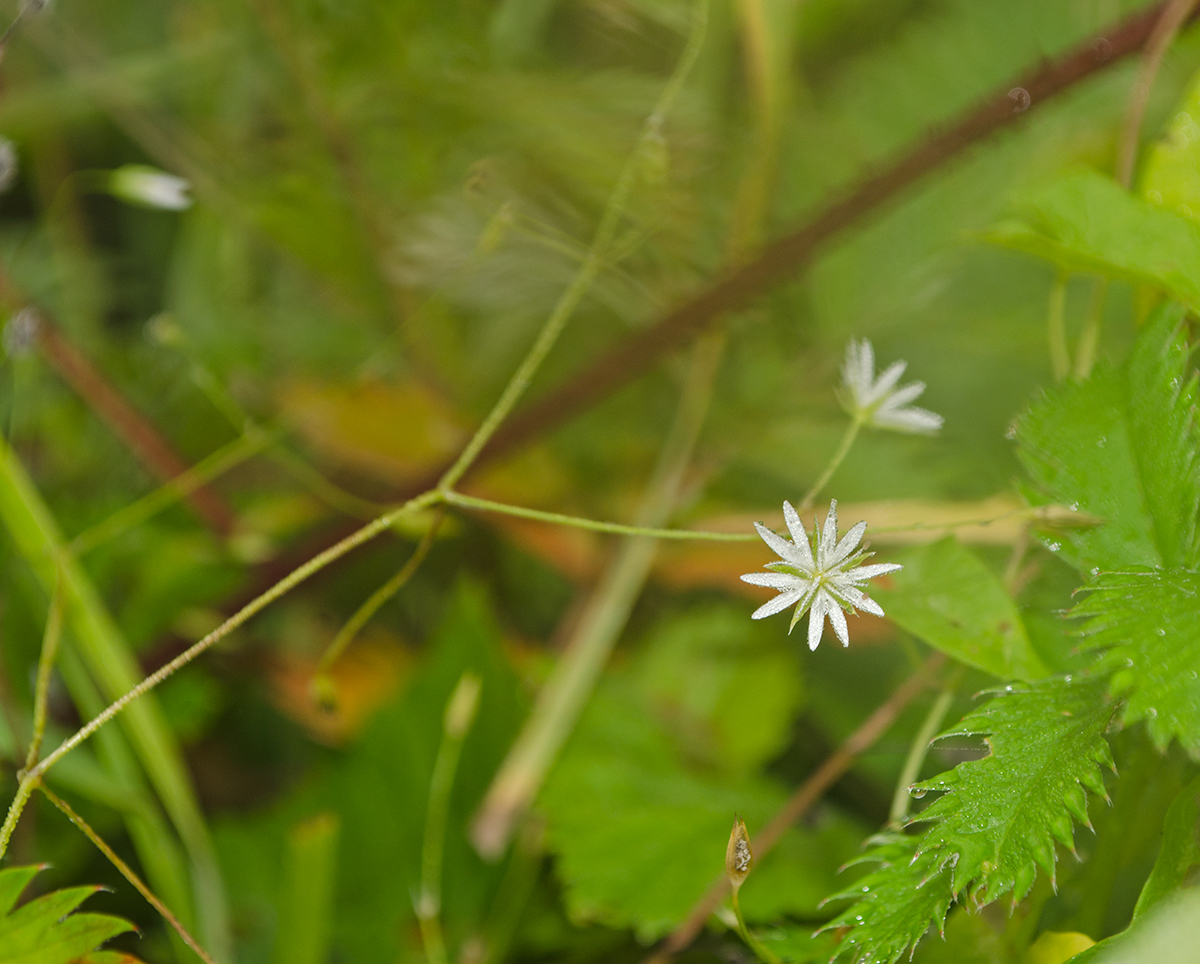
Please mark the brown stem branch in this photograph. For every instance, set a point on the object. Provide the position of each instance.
(787, 255)
(802, 800)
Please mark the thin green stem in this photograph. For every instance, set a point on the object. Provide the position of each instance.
(127, 872)
(332, 495)
(1056, 329)
(593, 262)
(24, 789)
(218, 463)
(917, 752)
(1089, 341)
(847, 441)
(281, 588)
(41, 687)
(616, 528)
(381, 595)
(460, 712)
(752, 942)
(569, 687)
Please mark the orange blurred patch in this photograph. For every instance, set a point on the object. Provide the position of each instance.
(368, 674)
(394, 432)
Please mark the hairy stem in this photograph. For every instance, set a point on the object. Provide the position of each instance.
(919, 749)
(127, 872)
(842, 450)
(616, 528)
(1056, 329)
(381, 595)
(460, 712)
(41, 687)
(593, 262)
(183, 485)
(570, 685)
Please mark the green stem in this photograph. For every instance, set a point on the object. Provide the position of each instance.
(1056, 329)
(203, 472)
(593, 262)
(917, 752)
(281, 588)
(24, 789)
(41, 689)
(127, 872)
(570, 685)
(487, 505)
(1089, 341)
(460, 711)
(751, 941)
(838, 456)
(381, 595)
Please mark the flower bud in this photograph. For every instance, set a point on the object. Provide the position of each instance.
(149, 187)
(738, 858)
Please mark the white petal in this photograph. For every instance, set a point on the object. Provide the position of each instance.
(799, 536)
(837, 619)
(902, 396)
(816, 620)
(886, 381)
(846, 546)
(779, 545)
(828, 537)
(911, 419)
(859, 368)
(778, 604)
(775, 580)
(863, 573)
(868, 605)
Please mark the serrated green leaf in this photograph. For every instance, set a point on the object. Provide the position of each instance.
(894, 905)
(1147, 625)
(997, 821)
(949, 598)
(1086, 222)
(45, 931)
(13, 881)
(1000, 816)
(1122, 446)
(639, 836)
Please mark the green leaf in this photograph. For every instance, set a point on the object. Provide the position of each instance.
(1122, 446)
(1086, 222)
(949, 598)
(1147, 625)
(1170, 169)
(895, 904)
(45, 931)
(695, 674)
(639, 836)
(998, 820)
(999, 817)
(1178, 863)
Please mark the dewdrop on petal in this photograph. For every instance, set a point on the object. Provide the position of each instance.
(150, 187)
(739, 860)
(823, 578)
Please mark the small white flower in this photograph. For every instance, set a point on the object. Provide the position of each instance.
(877, 401)
(150, 187)
(828, 584)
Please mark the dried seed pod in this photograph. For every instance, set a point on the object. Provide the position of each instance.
(738, 858)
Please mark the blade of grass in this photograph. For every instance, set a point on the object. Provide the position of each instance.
(306, 908)
(110, 660)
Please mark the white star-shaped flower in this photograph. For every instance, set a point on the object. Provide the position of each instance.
(827, 583)
(877, 401)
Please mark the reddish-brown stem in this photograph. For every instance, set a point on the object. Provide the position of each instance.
(787, 255)
(126, 422)
(809, 792)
